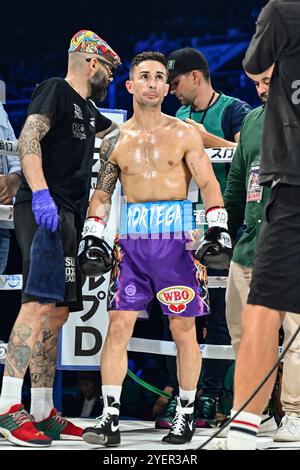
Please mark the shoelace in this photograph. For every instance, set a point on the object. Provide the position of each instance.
(21, 417)
(206, 407)
(103, 420)
(178, 423)
(59, 418)
(170, 411)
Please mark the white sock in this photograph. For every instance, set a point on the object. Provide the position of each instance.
(243, 430)
(187, 395)
(113, 391)
(11, 393)
(41, 402)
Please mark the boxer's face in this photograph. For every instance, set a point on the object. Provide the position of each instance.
(184, 88)
(148, 83)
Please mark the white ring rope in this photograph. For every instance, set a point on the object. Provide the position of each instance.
(8, 148)
(166, 348)
(217, 155)
(14, 282)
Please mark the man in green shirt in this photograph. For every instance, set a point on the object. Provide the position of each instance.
(216, 116)
(245, 200)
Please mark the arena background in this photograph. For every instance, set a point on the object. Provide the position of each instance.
(35, 39)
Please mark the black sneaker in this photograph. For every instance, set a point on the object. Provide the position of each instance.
(182, 428)
(205, 412)
(164, 421)
(106, 432)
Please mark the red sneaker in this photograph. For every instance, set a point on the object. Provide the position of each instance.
(57, 427)
(17, 427)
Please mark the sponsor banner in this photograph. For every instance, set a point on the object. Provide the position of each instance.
(11, 282)
(221, 155)
(82, 335)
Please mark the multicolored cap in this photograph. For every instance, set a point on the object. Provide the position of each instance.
(90, 43)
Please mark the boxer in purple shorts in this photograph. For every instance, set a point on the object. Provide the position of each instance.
(154, 156)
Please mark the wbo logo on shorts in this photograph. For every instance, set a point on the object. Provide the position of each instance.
(130, 290)
(176, 298)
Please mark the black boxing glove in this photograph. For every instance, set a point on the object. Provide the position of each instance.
(95, 256)
(215, 247)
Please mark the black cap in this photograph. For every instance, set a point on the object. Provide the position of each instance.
(185, 60)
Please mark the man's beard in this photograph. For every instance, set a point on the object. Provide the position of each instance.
(263, 97)
(99, 86)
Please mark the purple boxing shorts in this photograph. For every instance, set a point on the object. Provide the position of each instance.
(152, 259)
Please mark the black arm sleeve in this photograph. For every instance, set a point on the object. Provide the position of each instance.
(46, 98)
(268, 41)
(102, 122)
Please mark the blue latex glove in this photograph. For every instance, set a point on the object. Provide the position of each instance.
(44, 209)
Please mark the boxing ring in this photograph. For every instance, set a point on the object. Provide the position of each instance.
(140, 436)
(88, 336)
(87, 330)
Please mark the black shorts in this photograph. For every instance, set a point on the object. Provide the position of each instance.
(276, 271)
(25, 228)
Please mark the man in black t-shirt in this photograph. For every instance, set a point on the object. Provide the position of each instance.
(56, 149)
(274, 290)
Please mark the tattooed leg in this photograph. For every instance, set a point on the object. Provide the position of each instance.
(43, 359)
(22, 340)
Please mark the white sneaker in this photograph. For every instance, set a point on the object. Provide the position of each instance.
(267, 426)
(224, 432)
(289, 429)
(217, 445)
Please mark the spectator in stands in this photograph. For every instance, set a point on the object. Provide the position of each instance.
(87, 402)
(10, 179)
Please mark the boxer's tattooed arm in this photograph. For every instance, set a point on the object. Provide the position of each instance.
(107, 177)
(35, 128)
(109, 172)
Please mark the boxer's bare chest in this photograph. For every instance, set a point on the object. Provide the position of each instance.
(160, 151)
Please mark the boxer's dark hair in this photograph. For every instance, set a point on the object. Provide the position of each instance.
(147, 55)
